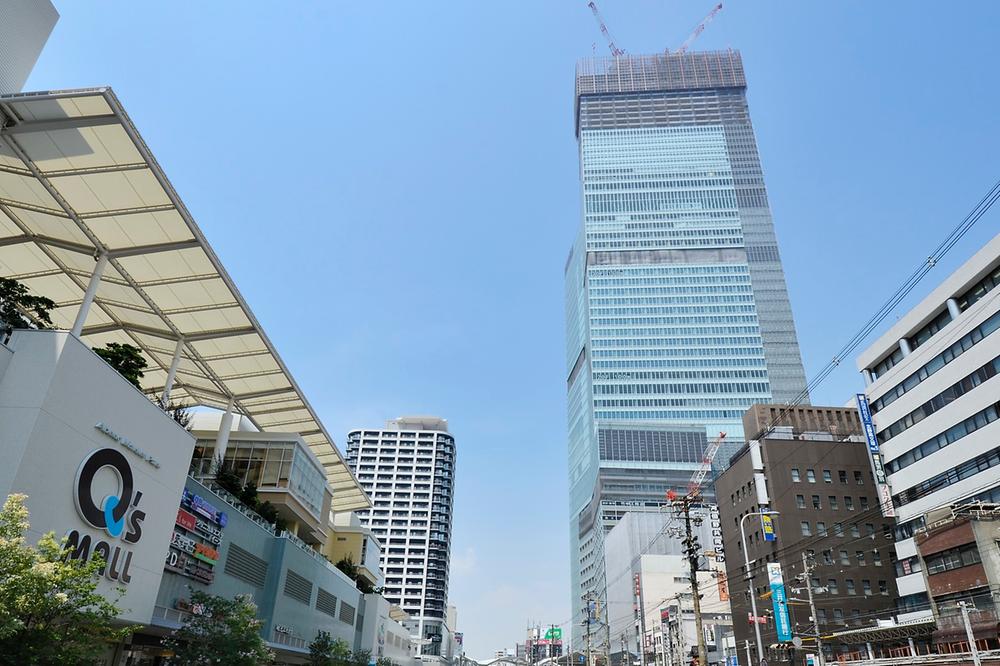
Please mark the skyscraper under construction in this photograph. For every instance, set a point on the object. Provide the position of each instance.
(676, 306)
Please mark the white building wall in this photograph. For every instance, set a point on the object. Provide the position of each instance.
(25, 26)
(987, 393)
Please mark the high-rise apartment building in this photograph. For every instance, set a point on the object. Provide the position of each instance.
(25, 26)
(408, 470)
(677, 312)
(933, 390)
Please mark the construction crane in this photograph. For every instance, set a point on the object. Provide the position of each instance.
(698, 478)
(700, 29)
(615, 51)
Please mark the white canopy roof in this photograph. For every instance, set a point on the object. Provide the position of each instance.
(77, 181)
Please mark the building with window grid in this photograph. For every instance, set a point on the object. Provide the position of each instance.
(677, 311)
(408, 470)
(932, 385)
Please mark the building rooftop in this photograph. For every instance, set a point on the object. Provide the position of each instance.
(417, 423)
(78, 183)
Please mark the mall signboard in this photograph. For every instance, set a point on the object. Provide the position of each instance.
(100, 463)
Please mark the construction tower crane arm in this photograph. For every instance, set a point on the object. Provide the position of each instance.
(615, 51)
(698, 478)
(700, 29)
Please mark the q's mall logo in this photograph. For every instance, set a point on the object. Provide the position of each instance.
(116, 515)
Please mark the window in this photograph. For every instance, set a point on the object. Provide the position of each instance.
(821, 615)
(806, 531)
(816, 504)
(867, 585)
(843, 476)
(855, 532)
(869, 529)
(855, 616)
(863, 502)
(838, 615)
(838, 529)
(831, 585)
(832, 501)
(883, 588)
(849, 586)
(795, 475)
(810, 476)
(827, 477)
(827, 557)
(845, 559)
(821, 529)
(848, 503)
(876, 558)
(953, 558)
(859, 479)
(800, 501)
(861, 558)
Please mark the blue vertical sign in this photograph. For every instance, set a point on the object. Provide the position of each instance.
(878, 471)
(782, 624)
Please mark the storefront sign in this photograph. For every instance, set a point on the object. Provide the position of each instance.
(118, 515)
(782, 624)
(194, 549)
(186, 520)
(875, 458)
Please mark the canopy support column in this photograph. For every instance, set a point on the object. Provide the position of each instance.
(222, 441)
(88, 297)
(172, 372)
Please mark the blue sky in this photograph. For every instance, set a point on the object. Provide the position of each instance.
(393, 186)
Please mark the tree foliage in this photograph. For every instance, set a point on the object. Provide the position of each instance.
(50, 611)
(124, 358)
(15, 300)
(326, 651)
(347, 565)
(223, 631)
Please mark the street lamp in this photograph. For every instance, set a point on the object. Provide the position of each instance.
(753, 594)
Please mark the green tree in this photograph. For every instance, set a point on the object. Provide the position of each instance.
(347, 565)
(15, 300)
(321, 650)
(124, 358)
(50, 611)
(361, 658)
(224, 631)
(384, 661)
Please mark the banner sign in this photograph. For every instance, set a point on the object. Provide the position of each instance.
(194, 547)
(875, 457)
(782, 624)
(767, 526)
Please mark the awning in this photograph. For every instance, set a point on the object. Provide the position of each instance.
(77, 181)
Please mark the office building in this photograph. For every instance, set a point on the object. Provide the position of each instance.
(649, 606)
(812, 466)
(932, 388)
(677, 312)
(25, 26)
(408, 469)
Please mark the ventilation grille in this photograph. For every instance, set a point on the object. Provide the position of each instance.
(245, 566)
(297, 587)
(326, 602)
(347, 613)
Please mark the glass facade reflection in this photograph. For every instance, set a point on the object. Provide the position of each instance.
(676, 306)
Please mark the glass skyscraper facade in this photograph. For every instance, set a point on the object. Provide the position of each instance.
(677, 311)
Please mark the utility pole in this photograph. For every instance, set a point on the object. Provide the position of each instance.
(693, 552)
(807, 569)
(588, 600)
(968, 632)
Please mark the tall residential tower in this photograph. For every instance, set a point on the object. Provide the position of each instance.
(408, 470)
(677, 312)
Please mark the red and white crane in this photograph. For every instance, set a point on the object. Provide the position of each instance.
(698, 478)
